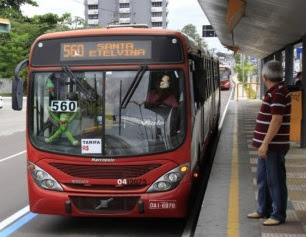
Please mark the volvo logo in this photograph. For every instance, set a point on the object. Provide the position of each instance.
(104, 203)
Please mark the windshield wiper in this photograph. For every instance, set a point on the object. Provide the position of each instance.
(79, 84)
(133, 86)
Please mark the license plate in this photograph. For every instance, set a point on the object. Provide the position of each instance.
(166, 204)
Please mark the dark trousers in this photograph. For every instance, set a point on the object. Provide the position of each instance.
(272, 187)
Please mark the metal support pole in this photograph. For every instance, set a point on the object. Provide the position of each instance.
(243, 58)
(303, 122)
(258, 79)
(262, 85)
(278, 56)
(289, 64)
(269, 58)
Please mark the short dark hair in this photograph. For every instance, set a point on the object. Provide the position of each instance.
(273, 71)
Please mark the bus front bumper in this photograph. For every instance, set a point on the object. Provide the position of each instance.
(171, 204)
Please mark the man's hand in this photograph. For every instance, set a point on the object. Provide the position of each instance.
(274, 126)
(262, 151)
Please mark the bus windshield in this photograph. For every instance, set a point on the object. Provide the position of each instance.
(83, 115)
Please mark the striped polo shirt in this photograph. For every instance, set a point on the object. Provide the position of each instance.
(277, 100)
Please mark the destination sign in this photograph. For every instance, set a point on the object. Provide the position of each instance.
(106, 50)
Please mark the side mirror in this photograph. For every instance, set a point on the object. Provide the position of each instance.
(17, 87)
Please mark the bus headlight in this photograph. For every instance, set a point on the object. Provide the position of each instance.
(163, 186)
(170, 180)
(49, 183)
(40, 174)
(174, 177)
(43, 179)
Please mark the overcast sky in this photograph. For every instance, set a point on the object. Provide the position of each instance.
(181, 13)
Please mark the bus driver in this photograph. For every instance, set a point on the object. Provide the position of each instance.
(162, 95)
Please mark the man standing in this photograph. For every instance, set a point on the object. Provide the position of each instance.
(271, 137)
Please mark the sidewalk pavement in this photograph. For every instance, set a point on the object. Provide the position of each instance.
(232, 191)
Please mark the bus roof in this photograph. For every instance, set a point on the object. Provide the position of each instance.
(111, 31)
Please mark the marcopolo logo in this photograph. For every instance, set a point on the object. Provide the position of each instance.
(105, 160)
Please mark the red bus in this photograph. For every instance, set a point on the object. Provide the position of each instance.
(225, 77)
(118, 121)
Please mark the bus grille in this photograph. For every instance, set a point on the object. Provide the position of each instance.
(103, 187)
(104, 205)
(105, 171)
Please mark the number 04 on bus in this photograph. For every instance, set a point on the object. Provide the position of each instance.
(118, 121)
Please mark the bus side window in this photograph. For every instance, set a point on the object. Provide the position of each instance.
(213, 76)
(191, 75)
(216, 76)
(205, 82)
(199, 75)
(207, 78)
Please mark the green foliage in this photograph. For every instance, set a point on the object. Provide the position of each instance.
(73, 23)
(251, 94)
(47, 23)
(243, 67)
(12, 52)
(15, 46)
(15, 4)
(191, 31)
(237, 58)
(10, 9)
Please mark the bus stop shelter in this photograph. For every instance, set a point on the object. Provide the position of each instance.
(266, 29)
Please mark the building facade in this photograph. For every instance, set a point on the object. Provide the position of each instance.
(124, 12)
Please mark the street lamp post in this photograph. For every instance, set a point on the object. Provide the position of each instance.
(242, 59)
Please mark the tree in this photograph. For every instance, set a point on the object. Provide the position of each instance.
(191, 31)
(11, 8)
(243, 67)
(75, 23)
(15, 4)
(66, 22)
(12, 52)
(220, 54)
(48, 23)
(16, 45)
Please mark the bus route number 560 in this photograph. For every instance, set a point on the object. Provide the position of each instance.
(63, 106)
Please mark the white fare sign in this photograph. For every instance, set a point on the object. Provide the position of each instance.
(91, 146)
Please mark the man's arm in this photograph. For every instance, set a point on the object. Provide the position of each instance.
(275, 124)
